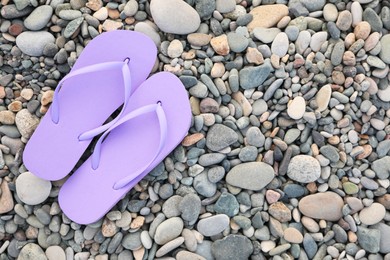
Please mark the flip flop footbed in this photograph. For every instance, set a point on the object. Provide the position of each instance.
(88, 194)
(86, 101)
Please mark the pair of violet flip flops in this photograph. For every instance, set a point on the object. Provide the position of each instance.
(155, 116)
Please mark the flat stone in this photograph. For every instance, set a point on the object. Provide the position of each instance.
(373, 19)
(373, 214)
(227, 204)
(330, 152)
(132, 241)
(11, 11)
(38, 19)
(369, 239)
(362, 30)
(385, 52)
(32, 251)
(168, 230)
(350, 188)
(31, 189)
(280, 212)
(252, 77)
(33, 43)
(384, 246)
(237, 42)
(317, 40)
(327, 206)
(266, 35)
(131, 8)
(323, 97)
(186, 255)
(26, 123)
(225, 6)
(380, 167)
(6, 199)
(302, 42)
(344, 21)
(232, 247)
(280, 44)
(174, 16)
(190, 207)
(251, 175)
(199, 39)
(73, 26)
(148, 30)
(292, 235)
(296, 108)
(267, 15)
(55, 253)
(330, 12)
(220, 137)
(213, 225)
(313, 6)
(304, 169)
(205, 8)
(175, 49)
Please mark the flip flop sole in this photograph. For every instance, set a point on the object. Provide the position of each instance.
(86, 101)
(88, 194)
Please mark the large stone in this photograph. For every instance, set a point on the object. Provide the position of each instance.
(213, 225)
(174, 16)
(32, 251)
(168, 230)
(267, 15)
(369, 239)
(373, 214)
(327, 206)
(385, 51)
(33, 43)
(252, 77)
(251, 175)
(232, 247)
(384, 237)
(31, 189)
(26, 123)
(380, 167)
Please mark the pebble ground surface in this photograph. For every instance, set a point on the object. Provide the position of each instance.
(288, 154)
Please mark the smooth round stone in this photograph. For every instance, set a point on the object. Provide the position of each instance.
(250, 176)
(55, 253)
(292, 235)
(385, 52)
(33, 43)
(131, 8)
(186, 255)
(323, 97)
(190, 207)
(330, 12)
(267, 16)
(362, 30)
(198, 39)
(234, 246)
(357, 13)
(313, 5)
(372, 214)
(280, 44)
(304, 169)
(303, 41)
(327, 206)
(225, 6)
(291, 135)
(344, 21)
(373, 19)
(132, 241)
(237, 42)
(317, 40)
(219, 137)
(147, 29)
(175, 49)
(350, 188)
(38, 18)
(384, 237)
(174, 16)
(31, 189)
(265, 35)
(296, 108)
(213, 225)
(32, 251)
(26, 123)
(168, 230)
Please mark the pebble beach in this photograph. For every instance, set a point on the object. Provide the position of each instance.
(288, 154)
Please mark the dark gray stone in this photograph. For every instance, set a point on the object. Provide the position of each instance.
(232, 247)
(251, 77)
(227, 204)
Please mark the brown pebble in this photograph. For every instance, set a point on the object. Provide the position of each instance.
(31, 232)
(2, 92)
(217, 70)
(6, 199)
(362, 30)
(254, 56)
(113, 13)
(15, 29)
(129, 20)
(15, 106)
(47, 97)
(209, 105)
(349, 58)
(27, 93)
(192, 139)
(109, 229)
(385, 201)
(7, 117)
(280, 211)
(349, 40)
(220, 45)
(352, 237)
(367, 151)
(199, 39)
(137, 222)
(94, 5)
(371, 41)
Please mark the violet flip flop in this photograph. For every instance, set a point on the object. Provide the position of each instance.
(107, 72)
(155, 122)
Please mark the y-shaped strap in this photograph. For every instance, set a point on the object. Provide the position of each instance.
(55, 115)
(138, 112)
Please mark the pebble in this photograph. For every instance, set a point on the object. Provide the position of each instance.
(280, 212)
(385, 52)
(280, 44)
(369, 239)
(55, 253)
(330, 152)
(220, 137)
(175, 49)
(168, 230)
(213, 225)
(190, 207)
(373, 19)
(227, 204)
(327, 206)
(6, 200)
(323, 97)
(26, 123)
(344, 20)
(38, 19)
(185, 255)
(132, 241)
(225, 6)
(317, 40)
(33, 43)
(384, 230)
(373, 214)
(251, 77)
(234, 246)
(292, 235)
(32, 251)
(220, 44)
(330, 12)
(266, 35)
(251, 175)
(237, 42)
(304, 169)
(31, 189)
(296, 108)
(174, 16)
(267, 15)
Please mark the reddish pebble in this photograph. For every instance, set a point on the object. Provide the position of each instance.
(272, 196)
(15, 29)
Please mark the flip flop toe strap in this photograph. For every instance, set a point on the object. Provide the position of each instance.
(157, 108)
(114, 65)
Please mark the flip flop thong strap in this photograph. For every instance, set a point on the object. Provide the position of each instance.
(105, 66)
(157, 108)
